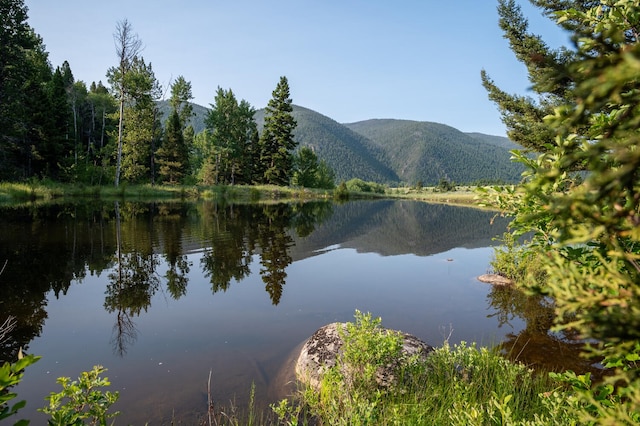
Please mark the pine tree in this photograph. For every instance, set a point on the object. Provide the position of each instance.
(173, 155)
(547, 70)
(128, 45)
(143, 128)
(180, 96)
(26, 126)
(277, 140)
(57, 149)
(305, 172)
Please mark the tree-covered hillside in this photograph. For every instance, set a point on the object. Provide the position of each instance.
(347, 153)
(428, 152)
(499, 141)
(197, 119)
(393, 151)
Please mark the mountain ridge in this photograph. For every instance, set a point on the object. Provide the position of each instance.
(398, 151)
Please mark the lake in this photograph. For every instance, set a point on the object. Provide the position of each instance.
(162, 294)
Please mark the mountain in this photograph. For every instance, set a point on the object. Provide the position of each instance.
(197, 121)
(348, 153)
(499, 141)
(393, 151)
(427, 152)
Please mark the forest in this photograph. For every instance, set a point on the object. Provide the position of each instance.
(577, 207)
(54, 127)
(130, 129)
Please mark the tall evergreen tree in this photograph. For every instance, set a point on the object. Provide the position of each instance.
(26, 126)
(547, 71)
(45, 129)
(305, 172)
(180, 96)
(58, 148)
(15, 42)
(277, 142)
(173, 155)
(248, 138)
(142, 115)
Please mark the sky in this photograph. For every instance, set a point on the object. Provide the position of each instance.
(350, 60)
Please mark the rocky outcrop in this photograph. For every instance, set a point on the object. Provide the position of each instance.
(322, 350)
(495, 279)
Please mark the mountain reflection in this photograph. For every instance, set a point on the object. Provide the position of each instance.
(143, 248)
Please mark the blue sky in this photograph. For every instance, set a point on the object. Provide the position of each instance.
(350, 60)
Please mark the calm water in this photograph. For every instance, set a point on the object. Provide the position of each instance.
(161, 294)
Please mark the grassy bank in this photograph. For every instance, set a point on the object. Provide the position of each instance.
(48, 191)
(37, 191)
(463, 195)
(455, 385)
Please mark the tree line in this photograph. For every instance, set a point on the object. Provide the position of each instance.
(54, 127)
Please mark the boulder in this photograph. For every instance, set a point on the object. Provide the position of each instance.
(321, 351)
(495, 279)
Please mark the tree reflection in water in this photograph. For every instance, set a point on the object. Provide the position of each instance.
(536, 345)
(237, 233)
(132, 283)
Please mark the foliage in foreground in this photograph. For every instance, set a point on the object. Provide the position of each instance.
(81, 401)
(460, 384)
(10, 375)
(580, 197)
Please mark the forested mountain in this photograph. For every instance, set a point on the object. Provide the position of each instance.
(347, 153)
(427, 152)
(393, 151)
(499, 141)
(197, 120)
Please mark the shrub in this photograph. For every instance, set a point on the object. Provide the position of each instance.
(10, 375)
(460, 384)
(81, 400)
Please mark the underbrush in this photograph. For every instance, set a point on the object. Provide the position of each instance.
(460, 384)
(43, 191)
(518, 261)
(455, 385)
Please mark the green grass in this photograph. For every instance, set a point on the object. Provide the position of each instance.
(455, 385)
(463, 195)
(47, 191)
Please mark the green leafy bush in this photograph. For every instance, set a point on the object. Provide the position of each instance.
(358, 185)
(459, 385)
(81, 400)
(10, 375)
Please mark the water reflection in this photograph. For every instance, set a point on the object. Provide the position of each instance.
(191, 287)
(536, 345)
(143, 248)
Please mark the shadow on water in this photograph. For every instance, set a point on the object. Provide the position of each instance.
(536, 345)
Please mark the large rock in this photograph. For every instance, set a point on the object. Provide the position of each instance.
(321, 351)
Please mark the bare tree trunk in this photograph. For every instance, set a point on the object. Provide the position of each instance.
(120, 123)
(128, 45)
